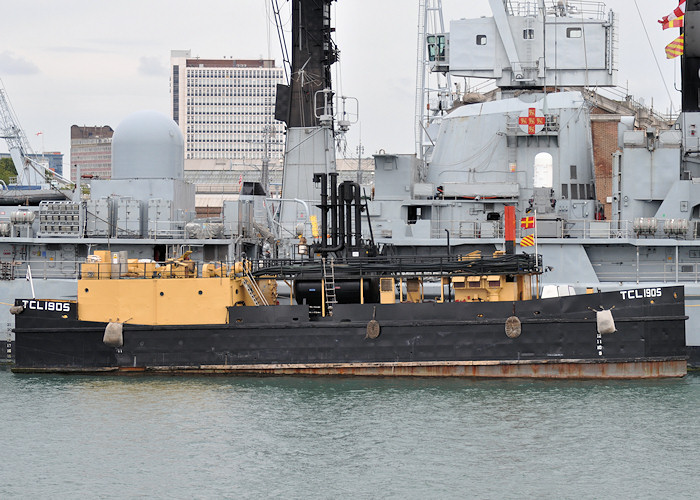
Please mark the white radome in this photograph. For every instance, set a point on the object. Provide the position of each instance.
(148, 145)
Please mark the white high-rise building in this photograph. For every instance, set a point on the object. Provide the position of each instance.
(225, 107)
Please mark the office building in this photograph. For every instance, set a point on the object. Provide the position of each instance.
(225, 109)
(91, 150)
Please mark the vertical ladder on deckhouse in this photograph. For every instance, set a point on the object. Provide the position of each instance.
(329, 285)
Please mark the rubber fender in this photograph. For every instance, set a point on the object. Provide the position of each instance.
(513, 327)
(606, 323)
(113, 336)
(373, 329)
(16, 309)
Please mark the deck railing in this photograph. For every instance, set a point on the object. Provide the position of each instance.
(625, 270)
(556, 228)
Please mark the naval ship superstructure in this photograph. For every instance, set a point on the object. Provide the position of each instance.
(145, 212)
(614, 205)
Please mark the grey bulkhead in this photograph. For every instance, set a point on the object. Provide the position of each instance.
(482, 161)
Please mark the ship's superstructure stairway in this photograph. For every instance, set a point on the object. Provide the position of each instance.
(251, 286)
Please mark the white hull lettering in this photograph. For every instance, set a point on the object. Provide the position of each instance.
(643, 293)
(45, 305)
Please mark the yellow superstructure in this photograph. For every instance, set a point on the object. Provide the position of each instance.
(149, 294)
(143, 292)
(490, 288)
(156, 301)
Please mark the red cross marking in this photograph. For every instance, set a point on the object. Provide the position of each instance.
(531, 120)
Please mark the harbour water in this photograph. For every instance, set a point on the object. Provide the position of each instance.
(104, 437)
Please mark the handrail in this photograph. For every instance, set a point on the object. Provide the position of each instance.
(661, 271)
(555, 228)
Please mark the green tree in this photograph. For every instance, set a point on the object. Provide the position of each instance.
(7, 169)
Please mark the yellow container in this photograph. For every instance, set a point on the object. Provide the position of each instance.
(89, 270)
(387, 294)
(103, 256)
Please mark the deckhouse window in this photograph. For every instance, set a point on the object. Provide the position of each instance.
(543, 170)
(528, 34)
(436, 47)
(481, 39)
(574, 32)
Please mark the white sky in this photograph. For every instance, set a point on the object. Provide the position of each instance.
(84, 62)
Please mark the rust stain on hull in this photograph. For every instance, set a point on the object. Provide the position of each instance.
(545, 369)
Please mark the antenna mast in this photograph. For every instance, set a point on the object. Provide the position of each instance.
(431, 55)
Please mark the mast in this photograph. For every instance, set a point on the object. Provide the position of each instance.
(431, 58)
(690, 100)
(313, 53)
(690, 60)
(306, 106)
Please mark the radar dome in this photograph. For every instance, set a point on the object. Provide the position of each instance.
(147, 145)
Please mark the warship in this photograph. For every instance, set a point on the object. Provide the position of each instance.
(355, 308)
(610, 190)
(350, 312)
(610, 221)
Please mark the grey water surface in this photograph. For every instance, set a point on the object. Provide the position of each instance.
(181, 437)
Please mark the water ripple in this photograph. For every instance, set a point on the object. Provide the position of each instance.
(72, 436)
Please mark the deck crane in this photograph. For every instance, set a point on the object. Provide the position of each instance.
(29, 171)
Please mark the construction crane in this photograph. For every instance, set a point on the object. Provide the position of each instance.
(29, 171)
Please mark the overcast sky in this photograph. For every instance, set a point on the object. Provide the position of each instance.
(66, 62)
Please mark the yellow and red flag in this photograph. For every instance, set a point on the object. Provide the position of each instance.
(673, 23)
(527, 222)
(677, 13)
(675, 48)
(528, 241)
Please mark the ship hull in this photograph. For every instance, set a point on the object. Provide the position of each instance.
(558, 339)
